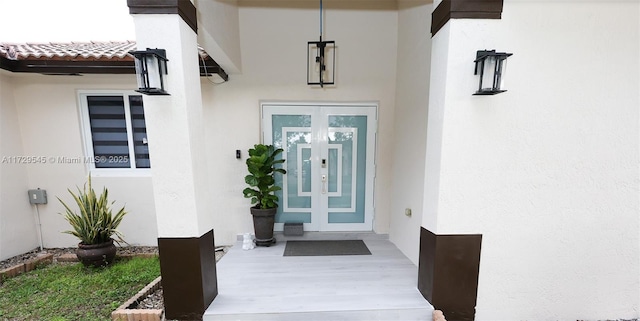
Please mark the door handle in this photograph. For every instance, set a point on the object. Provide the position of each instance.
(324, 184)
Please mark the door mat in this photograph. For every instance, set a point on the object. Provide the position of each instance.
(326, 248)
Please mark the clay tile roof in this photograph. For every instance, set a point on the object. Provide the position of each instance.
(68, 51)
(100, 51)
(83, 57)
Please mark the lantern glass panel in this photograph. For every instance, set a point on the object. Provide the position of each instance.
(488, 72)
(314, 63)
(141, 75)
(154, 71)
(503, 72)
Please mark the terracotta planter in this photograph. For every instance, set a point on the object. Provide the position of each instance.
(263, 221)
(96, 254)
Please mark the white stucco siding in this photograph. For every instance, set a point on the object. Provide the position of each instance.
(435, 122)
(274, 44)
(219, 34)
(548, 171)
(50, 125)
(410, 128)
(175, 130)
(18, 232)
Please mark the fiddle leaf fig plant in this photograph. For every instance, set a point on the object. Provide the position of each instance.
(94, 222)
(262, 164)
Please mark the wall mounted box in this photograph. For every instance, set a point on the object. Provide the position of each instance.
(37, 196)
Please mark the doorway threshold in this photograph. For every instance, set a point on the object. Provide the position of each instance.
(329, 236)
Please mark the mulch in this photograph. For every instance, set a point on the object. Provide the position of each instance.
(57, 252)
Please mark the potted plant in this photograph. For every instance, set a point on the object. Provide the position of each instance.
(95, 225)
(262, 168)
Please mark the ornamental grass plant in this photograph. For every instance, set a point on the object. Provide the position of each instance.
(94, 222)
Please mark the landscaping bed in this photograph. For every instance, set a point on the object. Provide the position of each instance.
(73, 292)
(28, 261)
(147, 304)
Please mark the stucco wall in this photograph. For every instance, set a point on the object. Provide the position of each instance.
(412, 100)
(17, 219)
(48, 116)
(175, 131)
(273, 41)
(219, 33)
(548, 171)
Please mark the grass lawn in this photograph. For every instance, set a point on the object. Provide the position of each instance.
(72, 292)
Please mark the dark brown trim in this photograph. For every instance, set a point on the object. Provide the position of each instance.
(464, 9)
(448, 272)
(210, 67)
(189, 276)
(7, 64)
(78, 67)
(68, 67)
(184, 8)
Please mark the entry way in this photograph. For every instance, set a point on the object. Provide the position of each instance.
(329, 151)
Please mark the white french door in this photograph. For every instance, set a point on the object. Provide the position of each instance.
(329, 151)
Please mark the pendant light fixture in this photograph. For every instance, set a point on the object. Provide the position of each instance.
(321, 60)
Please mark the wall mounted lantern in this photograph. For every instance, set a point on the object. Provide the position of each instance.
(151, 66)
(490, 65)
(321, 60)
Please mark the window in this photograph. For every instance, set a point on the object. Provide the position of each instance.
(116, 131)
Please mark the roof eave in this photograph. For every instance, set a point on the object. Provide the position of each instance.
(76, 67)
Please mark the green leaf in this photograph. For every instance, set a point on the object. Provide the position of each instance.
(94, 221)
(261, 166)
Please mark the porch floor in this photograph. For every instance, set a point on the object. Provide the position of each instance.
(262, 284)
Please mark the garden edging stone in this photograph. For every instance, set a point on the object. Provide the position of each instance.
(125, 313)
(27, 266)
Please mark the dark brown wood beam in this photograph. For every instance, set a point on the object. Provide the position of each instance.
(464, 9)
(210, 69)
(78, 67)
(7, 64)
(184, 8)
(72, 67)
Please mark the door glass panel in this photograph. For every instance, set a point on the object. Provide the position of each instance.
(304, 168)
(347, 137)
(293, 134)
(333, 169)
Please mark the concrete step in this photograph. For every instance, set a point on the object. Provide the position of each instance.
(368, 315)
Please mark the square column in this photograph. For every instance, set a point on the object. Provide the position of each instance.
(179, 169)
(450, 248)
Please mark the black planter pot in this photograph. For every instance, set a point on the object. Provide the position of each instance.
(96, 255)
(263, 220)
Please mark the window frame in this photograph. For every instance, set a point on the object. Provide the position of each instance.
(87, 135)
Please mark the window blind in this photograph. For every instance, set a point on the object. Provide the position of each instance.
(109, 131)
(139, 129)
